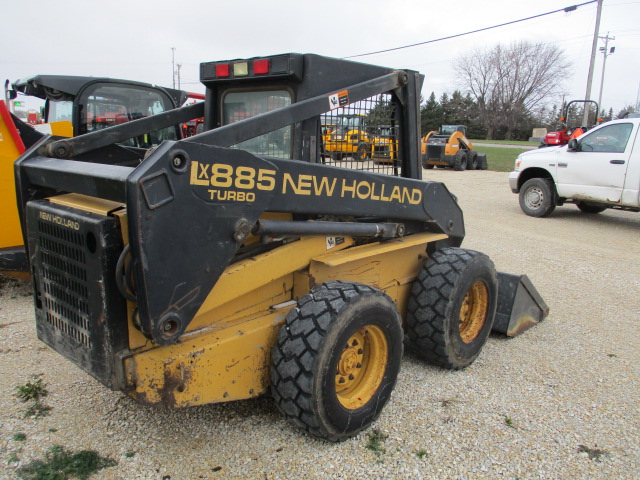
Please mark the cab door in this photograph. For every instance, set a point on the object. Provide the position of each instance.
(596, 169)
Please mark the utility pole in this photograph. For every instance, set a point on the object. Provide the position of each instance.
(173, 65)
(594, 49)
(179, 66)
(605, 50)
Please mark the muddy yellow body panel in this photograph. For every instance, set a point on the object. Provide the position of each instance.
(225, 354)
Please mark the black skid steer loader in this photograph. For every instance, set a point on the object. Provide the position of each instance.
(243, 259)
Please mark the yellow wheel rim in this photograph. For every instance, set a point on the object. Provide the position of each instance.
(361, 367)
(473, 312)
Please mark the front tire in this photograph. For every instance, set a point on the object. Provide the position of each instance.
(361, 153)
(472, 163)
(460, 161)
(337, 359)
(537, 197)
(452, 307)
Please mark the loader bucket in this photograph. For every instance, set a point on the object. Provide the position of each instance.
(520, 306)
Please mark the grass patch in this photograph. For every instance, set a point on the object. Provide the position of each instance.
(421, 453)
(37, 410)
(130, 454)
(508, 421)
(593, 453)
(376, 442)
(19, 437)
(60, 464)
(32, 390)
(506, 142)
(500, 159)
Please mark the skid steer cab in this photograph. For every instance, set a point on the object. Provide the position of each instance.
(74, 105)
(245, 259)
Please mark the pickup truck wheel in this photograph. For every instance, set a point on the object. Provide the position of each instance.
(452, 307)
(337, 359)
(460, 160)
(537, 197)
(590, 207)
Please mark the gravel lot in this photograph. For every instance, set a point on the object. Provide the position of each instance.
(559, 402)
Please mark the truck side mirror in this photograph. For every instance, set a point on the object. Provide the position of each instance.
(12, 94)
(573, 145)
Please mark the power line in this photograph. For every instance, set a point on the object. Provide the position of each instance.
(565, 9)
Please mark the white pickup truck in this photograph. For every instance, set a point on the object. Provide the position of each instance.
(598, 170)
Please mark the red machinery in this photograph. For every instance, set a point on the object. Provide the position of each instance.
(562, 137)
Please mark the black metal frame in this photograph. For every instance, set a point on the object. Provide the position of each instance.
(175, 273)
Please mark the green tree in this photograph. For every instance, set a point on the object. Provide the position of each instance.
(431, 115)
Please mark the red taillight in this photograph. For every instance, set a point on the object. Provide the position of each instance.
(222, 70)
(260, 67)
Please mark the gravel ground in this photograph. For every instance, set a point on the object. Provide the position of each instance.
(561, 401)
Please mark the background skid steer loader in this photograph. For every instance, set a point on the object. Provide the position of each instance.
(449, 147)
(73, 105)
(241, 259)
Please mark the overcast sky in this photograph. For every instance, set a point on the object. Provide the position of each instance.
(133, 39)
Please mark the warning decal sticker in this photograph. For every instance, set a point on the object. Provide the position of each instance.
(339, 99)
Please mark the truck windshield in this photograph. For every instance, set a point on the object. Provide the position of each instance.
(240, 105)
(106, 104)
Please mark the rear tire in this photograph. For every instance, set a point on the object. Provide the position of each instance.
(452, 307)
(590, 208)
(337, 359)
(537, 197)
(460, 160)
(426, 164)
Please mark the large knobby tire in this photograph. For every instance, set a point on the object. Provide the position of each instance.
(593, 208)
(337, 359)
(452, 307)
(482, 161)
(460, 160)
(426, 164)
(537, 197)
(361, 153)
(472, 160)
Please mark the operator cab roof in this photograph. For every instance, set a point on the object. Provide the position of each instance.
(67, 87)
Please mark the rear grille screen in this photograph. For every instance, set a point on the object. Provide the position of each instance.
(79, 311)
(64, 275)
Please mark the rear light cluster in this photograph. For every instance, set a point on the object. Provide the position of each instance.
(279, 65)
(242, 69)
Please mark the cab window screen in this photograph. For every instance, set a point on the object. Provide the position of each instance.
(238, 106)
(108, 104)
(363, 136)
